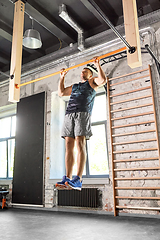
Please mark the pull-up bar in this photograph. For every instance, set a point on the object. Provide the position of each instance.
(75, 66)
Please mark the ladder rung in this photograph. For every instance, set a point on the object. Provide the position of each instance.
(135, 159)
(129, 80)
(132, 133)
(135, 90)
(135, 115)
(136, 141)
(143, 198)
(132, 99)
(139, 208)
(137, 188)
(124, 109)
(128, 74)
(136, 169)
(136, 150)
(137, 178)
(133, 124)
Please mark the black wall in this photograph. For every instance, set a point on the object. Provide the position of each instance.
(28, 165)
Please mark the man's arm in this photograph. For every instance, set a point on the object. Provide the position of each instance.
(62, 91)
(101, 79)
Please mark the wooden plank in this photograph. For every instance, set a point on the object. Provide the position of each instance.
(137, 188)
(134, 107)
(129, 100)
(112, 155)
(135, 159)
(16, 55)
(132, 32)
(136, 150)
(139, 208)
(129, 80)
(132, 91)
(133, 124)
(138, 178)
(128, 74)
(136, 141)
(140, 198)
(131, 116)
(132, 133)
(136, 169)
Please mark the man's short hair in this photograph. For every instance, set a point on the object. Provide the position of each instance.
(89, 70)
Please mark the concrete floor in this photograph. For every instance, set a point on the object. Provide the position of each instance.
(26, 224)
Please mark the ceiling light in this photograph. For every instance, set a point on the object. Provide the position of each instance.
(32, 38)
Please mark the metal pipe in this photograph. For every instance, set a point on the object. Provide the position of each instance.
(66, 17)
(154, 57)
(151, 53)
(99, 11)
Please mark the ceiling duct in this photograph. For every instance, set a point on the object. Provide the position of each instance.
(65, 16)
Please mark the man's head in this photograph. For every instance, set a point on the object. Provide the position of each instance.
(86, 73)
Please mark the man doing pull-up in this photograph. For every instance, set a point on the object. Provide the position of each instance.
(77, 122)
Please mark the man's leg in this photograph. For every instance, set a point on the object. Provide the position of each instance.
(69, 162)
(69, 156)
(81, 157)
(76, 182)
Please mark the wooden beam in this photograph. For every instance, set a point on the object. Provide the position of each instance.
(136, 159)
(112, 149)
(16, 55)
(133, 133)
(139, 208)
(133, 124)
(132, 32)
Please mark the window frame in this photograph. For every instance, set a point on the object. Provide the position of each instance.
(87, 175)
(7, 146)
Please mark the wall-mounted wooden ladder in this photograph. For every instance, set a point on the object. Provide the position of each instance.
(134, 141)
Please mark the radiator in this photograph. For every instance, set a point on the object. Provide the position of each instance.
(87, 197)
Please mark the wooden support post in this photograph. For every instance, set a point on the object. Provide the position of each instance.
(112, 149)
(154, 109)
(16, 55)
(132, 32)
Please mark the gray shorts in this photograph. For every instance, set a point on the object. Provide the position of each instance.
(77, 124)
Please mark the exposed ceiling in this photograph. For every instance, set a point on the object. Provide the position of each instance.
(55, 32)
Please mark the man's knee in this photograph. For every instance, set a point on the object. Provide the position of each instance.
(69, 142)
(81, 142)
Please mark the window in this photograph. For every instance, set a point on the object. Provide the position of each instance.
(7, 146)
(97, 152)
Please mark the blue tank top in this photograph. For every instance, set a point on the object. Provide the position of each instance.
(81, 99)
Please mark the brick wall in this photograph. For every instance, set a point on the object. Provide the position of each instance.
(113, 69)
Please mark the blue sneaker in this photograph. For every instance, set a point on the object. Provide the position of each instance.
(61, 185)
(75, 183)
